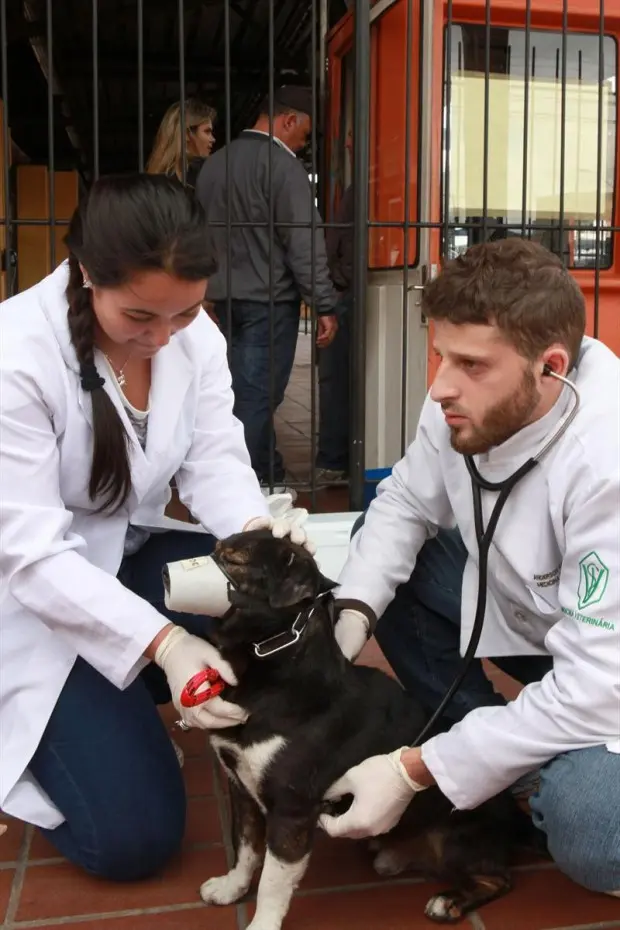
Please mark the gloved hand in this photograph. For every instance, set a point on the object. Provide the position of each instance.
(351, 631)
(290, 523)
(381, 790)
(181, 656)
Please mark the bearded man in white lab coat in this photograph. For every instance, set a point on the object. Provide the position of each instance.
(502, 313)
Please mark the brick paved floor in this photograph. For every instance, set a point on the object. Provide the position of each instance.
(293, 422)
(340, 892)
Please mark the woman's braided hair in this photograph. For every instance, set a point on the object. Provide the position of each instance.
(123, 226)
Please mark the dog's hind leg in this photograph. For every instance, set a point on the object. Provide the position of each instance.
(249, 841)
(289, 841)
(450, 907)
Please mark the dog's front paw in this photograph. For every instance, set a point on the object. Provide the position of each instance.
(264, 923)
(224, 889)
(444, 909)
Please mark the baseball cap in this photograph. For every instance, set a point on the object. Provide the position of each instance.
(291, 96)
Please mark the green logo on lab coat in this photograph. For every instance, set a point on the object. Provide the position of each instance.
(593, 578)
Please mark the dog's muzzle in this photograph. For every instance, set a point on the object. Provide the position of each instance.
(196, 586)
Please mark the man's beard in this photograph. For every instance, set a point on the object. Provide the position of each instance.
(501, 422)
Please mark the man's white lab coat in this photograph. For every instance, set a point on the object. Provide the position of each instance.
(553, 577)
(58, 559)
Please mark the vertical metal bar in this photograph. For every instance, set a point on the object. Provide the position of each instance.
(182, 128)
(313, 328)
(599, 164)
(426, 226)
(51, 172)
(361, 164)
(272, 384)
(487, 79)
(227, 107)
(561, 249)
(8, 228)
(406, 207)
(140, 27)
(324, 172)
(526, 117)
(95, 42)
(448, 122)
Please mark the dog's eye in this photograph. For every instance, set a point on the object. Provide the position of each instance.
(291, 559)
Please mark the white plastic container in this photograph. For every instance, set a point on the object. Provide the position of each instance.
(331, 533)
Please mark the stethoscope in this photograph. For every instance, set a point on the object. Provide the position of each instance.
(485, 537)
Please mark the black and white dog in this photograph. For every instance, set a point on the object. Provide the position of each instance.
(313, 715)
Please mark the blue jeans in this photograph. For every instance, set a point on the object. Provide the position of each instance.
(578, 790)
(251, 363)
(333, 444)
(106, 760)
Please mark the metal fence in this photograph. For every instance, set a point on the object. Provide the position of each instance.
(108, 70)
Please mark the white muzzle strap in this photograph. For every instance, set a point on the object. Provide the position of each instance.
(196, 586)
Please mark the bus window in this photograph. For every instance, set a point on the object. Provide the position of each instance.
(565, 224)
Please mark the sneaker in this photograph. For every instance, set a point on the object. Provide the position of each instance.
(179, 753)
(331, 477)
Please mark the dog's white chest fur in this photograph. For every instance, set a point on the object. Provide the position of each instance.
(252, 761)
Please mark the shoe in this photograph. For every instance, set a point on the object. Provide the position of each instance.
(331, 477)
(179, 753)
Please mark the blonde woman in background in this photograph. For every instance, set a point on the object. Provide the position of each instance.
(166, 156)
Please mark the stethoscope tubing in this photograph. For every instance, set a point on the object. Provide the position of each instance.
(485, 538)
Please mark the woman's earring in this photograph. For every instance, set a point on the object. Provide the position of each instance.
(88, 283)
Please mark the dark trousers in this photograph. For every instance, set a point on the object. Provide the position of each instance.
(419, 634)
(106, 760)
(251, 363)
(333, 361)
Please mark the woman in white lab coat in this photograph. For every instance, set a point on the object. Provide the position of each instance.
(113, 381)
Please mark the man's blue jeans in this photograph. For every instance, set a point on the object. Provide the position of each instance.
(577, 803)
(106, 759)
(251, 362)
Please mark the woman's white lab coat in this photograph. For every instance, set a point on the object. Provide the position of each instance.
(553, 577)
(59, 594)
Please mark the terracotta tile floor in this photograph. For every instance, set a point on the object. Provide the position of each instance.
(340, 891)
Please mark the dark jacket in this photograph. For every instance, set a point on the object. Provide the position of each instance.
(293, 275)
(339, 243)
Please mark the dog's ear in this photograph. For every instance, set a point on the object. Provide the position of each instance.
(286, 592)
(326, 584)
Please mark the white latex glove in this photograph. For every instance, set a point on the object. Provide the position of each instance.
(381, 790)
(351, 631)
(290, 523)
(181, 656)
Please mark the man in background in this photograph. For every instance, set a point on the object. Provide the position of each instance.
(259, 312)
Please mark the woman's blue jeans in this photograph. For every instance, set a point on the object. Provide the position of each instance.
(106, 759)
(577, 802)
